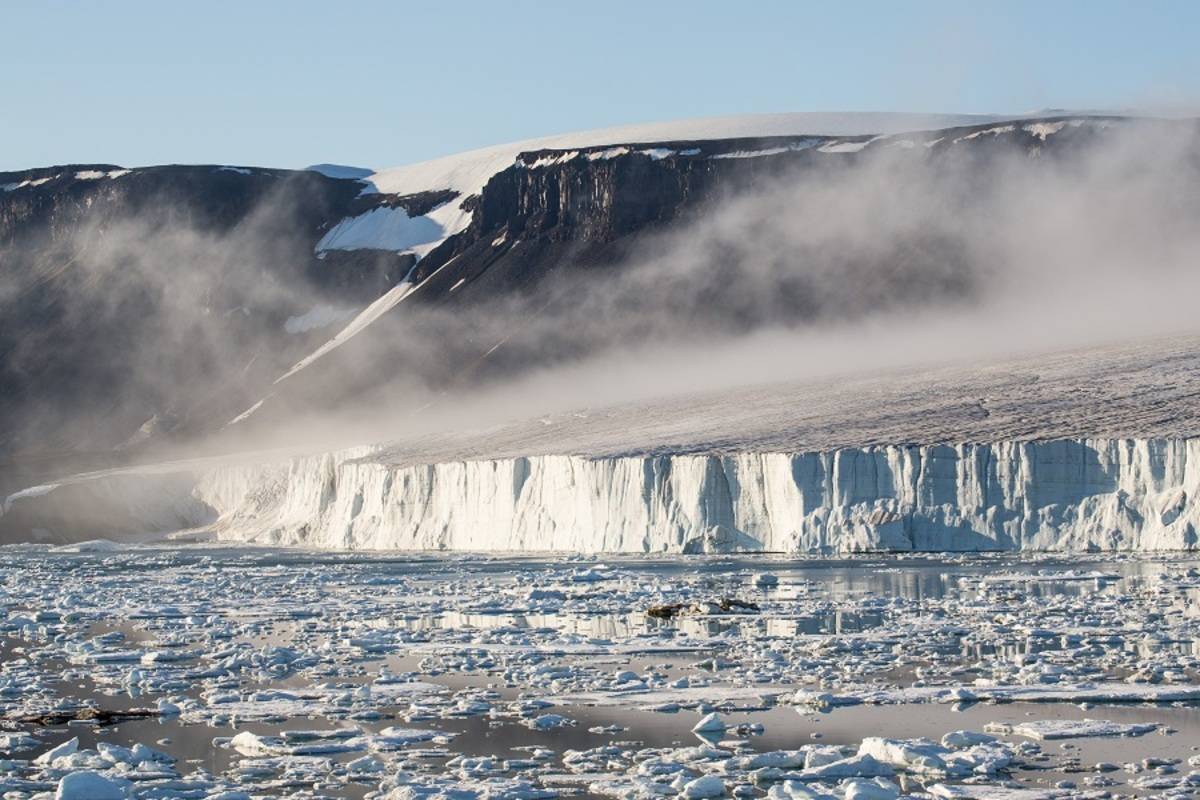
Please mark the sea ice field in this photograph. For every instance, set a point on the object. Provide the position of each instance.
(213, 671)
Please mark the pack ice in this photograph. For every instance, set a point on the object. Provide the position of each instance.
(215, 672)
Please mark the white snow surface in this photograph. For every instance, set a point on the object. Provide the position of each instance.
(94, 174)
(383, 229)
(468, 172)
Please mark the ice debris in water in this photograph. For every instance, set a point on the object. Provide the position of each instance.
(207, 672)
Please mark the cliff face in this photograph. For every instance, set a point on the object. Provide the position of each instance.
(587, 207)
(1069, 495)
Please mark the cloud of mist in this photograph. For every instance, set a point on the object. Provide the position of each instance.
(123, 308)
(904, 258)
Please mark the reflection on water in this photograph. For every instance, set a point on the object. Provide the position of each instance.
(625, 625)
(1014, 649)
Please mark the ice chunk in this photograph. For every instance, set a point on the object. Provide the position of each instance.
(67, 748)
(991, 792)
(1052, 729)
(88, 786)
(874, 789)
(549, 721)
(957, 739)
(710, 723)
(704, 787)
(862, 765)
(910, 755)
(251, 744)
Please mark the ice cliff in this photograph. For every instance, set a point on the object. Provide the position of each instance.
(1066, 495)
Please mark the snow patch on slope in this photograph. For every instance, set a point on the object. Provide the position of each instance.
(381, 229)
(12, 187)
(846, 147)
(32, 491)
(319, 317)
(381, 306)
(374, 311)
(95, 174)
(804, 144)
(1043, 129)
(987, 132)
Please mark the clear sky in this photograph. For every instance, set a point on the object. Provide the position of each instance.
(386, 83)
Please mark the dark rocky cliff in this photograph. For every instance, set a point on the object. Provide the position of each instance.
(557, 225)
(587, 207)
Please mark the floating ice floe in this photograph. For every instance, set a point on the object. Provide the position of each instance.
(478, 676)
(1050, 729)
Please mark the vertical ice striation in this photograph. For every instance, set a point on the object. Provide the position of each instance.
(1070, 495)
(1093, 494)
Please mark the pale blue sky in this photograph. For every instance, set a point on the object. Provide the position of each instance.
(386, 83)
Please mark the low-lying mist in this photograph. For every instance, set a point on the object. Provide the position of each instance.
(904, 258)
(144, 301)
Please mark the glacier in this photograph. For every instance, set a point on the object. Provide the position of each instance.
(1093, 449)
(1077, 495)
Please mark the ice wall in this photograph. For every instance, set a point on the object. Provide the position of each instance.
(1094, 494)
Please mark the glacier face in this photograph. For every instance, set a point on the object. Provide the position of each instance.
(1065, 495)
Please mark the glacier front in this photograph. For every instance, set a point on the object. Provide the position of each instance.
(1084, 450)
(1061, 495)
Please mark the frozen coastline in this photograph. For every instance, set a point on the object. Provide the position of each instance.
(1064, 495)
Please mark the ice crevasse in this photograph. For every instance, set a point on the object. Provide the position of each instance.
(1068, 495)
